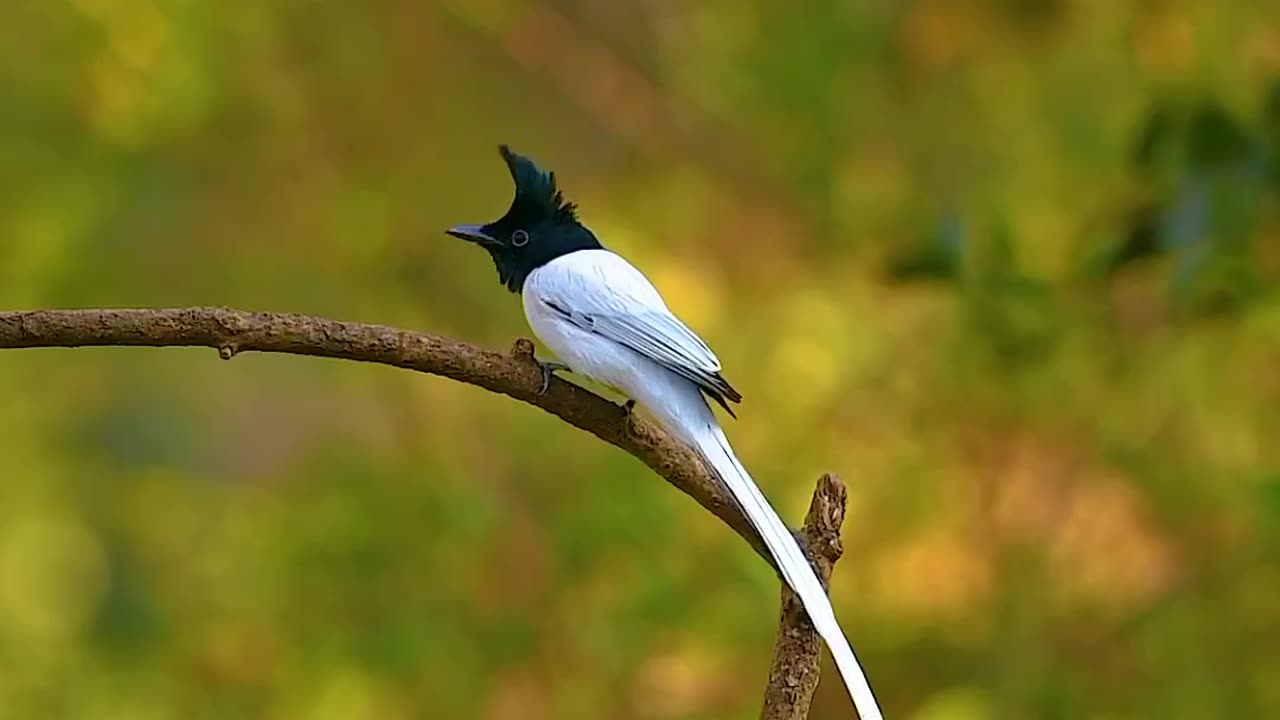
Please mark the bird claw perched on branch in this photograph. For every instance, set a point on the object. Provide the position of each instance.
(549, 368)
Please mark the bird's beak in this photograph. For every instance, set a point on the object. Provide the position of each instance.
(472, 233)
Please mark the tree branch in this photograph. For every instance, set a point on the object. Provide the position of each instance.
(515, 374)
(793, 677)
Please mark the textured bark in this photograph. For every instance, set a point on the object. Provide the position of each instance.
(797, 652)
(515, 374)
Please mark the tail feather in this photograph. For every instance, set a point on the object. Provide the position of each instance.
(796, 570)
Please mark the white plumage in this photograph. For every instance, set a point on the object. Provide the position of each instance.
(605, 320)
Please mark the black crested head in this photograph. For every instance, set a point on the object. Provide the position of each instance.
(539, 227)
(536, 191)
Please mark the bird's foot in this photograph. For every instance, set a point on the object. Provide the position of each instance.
(549, 368)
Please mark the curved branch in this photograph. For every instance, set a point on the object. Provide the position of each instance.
(515, 374)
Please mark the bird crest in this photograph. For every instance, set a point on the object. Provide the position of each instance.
(536, 192)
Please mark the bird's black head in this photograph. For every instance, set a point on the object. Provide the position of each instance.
(540, 226)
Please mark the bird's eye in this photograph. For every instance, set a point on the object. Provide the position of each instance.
(519, 238)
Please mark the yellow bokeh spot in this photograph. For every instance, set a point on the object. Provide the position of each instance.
(1165, 41)
(39, 239)
(803, 370)
(53, 575)
(348, 695)
(690, 291)
(679, 682)
(493, 16)
(1104, 549)
(130, 82)
(622, 239)
(955, 703)
(809, 362)
(935, 574)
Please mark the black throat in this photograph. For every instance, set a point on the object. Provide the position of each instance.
(547, 241)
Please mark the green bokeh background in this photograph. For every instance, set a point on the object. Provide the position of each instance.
(1007, 266)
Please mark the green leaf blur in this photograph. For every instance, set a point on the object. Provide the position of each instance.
(1009, 267)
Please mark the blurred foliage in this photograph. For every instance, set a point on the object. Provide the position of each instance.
(1008, 266)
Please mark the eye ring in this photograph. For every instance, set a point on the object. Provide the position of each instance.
(519, 238)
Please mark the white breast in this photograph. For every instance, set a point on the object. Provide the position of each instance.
(580, 274)
(599, 279)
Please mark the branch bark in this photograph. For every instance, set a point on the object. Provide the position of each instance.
(515, 374)
(797, 652)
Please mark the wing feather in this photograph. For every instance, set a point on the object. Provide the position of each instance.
(614, 300)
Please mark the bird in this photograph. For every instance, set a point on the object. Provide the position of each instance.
(605, 321)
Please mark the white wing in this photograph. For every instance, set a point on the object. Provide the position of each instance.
(601, 292)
